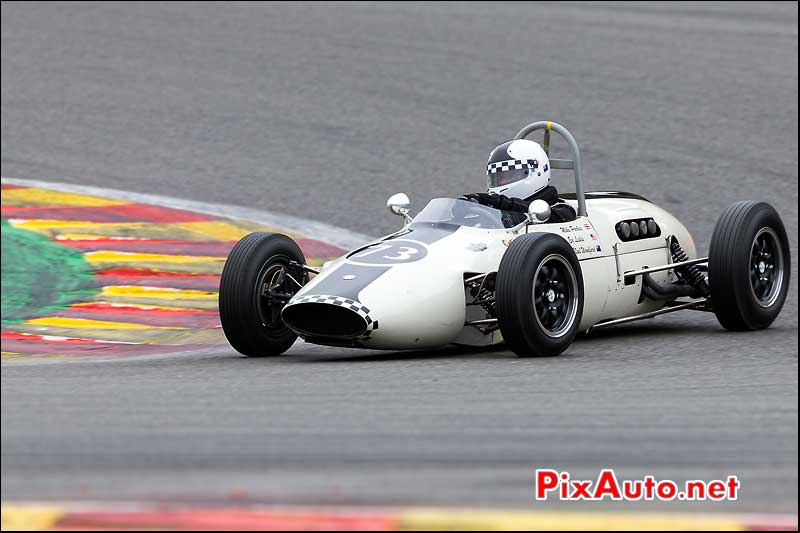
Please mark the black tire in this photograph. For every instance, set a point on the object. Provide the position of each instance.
(248, 319)
(745, 297)
(532, 262)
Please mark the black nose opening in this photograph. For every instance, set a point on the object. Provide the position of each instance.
(324, 320)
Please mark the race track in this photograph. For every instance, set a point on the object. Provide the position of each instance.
(322, 113)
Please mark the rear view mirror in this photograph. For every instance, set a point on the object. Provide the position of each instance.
(539, 212)
(399, 204)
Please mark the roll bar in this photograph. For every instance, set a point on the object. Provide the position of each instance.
(573, 164)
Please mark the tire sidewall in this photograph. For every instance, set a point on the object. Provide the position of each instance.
(272, 335)
(239, 308)
(516, 277)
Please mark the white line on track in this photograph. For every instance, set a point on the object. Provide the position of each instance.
(311, 228)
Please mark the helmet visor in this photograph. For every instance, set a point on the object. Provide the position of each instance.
(507, 172)
(506, 177)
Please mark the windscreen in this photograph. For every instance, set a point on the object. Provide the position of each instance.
(466, 213)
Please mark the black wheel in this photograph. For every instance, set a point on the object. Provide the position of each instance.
(256, 283)
(748, 266)
(539, 295)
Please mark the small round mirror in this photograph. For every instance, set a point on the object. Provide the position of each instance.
(538, 211)
(399, 204)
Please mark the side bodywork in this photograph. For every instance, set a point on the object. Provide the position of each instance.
(408, 289)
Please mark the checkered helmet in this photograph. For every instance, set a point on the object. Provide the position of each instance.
(518, 169)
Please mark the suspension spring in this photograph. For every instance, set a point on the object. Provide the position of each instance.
(486, 299)
(483, 295)
(690, 273)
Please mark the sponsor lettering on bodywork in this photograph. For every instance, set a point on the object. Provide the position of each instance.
(579, 234)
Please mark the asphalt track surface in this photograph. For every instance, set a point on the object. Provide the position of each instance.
(323, 112)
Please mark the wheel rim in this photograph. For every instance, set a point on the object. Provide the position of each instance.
(555, 296)
(766, 267)
(274, 287)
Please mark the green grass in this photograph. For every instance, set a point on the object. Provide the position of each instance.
(40, 276)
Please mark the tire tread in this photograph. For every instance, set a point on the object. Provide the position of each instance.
(729, 256)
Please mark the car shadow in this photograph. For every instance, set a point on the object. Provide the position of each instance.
(634, 332)
(355, 355)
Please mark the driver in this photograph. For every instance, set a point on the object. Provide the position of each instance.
(518, 173)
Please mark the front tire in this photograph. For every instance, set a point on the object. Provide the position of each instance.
(255, 281)
(539, 295)
(748, 266)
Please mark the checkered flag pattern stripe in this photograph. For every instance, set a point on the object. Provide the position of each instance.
(518, 164)
(341, 301)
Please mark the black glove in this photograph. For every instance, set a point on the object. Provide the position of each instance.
(498, 201)
(482, 198)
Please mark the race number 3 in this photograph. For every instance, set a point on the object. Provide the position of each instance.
(390, 253)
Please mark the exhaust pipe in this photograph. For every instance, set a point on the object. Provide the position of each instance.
(665, 293)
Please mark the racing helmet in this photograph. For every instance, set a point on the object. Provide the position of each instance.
(518, 169)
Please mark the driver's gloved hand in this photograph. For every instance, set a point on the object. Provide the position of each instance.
(477, 197)
(483, 198)
(498, 201)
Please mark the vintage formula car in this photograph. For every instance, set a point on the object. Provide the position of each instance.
(467, 274)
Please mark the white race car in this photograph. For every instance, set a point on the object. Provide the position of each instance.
(467, 274)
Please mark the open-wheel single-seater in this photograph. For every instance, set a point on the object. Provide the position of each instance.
(467, 274)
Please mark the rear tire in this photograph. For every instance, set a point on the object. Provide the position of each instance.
(539, 295)
(251, 322)
(748, 266)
